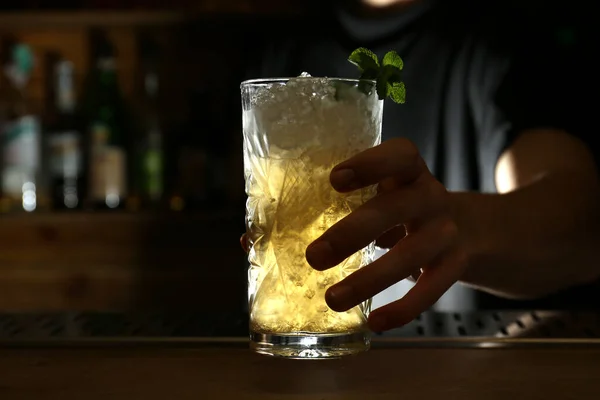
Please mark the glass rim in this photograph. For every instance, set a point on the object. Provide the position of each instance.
(263, 81)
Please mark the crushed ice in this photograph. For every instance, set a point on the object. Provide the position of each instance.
(290, 118)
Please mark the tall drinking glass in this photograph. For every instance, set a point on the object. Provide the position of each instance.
(295, 131)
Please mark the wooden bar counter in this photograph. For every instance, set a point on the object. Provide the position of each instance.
(222, 371)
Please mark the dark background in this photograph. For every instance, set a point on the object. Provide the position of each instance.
(178, 257)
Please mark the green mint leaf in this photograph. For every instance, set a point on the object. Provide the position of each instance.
(366, 61)
(392, 58)
(388, 82)
(388, 74)
(383, 89)
(397, 92)
(369, 74)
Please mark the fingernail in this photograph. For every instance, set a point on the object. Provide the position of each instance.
(318, 255)
(343, 178)
(377, 322)
(338, 298)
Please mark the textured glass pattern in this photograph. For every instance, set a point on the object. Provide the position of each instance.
(295, 132)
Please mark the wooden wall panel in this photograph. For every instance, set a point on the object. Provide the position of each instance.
(121, 262)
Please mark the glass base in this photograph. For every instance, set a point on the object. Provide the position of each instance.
(310, 345)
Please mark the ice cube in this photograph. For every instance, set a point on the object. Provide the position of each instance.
(303, 116)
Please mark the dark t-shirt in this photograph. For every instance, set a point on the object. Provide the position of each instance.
(476, 76)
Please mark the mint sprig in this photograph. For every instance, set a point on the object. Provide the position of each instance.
(387, 74)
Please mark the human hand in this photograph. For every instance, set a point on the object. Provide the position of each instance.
(411, 214)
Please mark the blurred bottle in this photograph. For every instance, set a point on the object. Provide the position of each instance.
(64, 139)
(20, 131)
(202, 156)
(149, 153)
(191, 190)
(106, 124)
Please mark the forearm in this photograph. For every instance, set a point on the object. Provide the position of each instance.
(535, 240)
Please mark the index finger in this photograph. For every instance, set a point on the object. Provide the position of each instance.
(398, 158)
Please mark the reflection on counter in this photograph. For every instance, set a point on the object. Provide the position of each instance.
(139, 325)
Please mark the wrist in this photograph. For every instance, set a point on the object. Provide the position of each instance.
(476, 216)
(469, 212)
